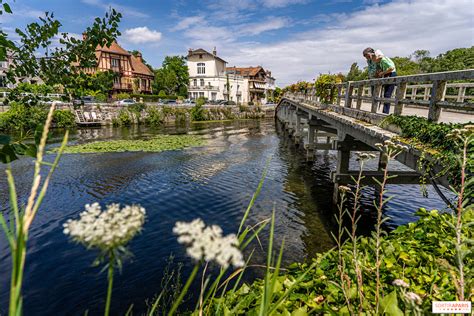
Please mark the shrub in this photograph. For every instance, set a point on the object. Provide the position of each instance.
(122, 96)
(325, 88)
(64, 119)
(123, 119)
(243, 108)
(22, 118)
(154, 116)
(197, 112)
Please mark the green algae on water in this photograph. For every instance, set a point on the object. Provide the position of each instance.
(154, 144)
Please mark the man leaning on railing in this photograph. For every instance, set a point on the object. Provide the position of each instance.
(387, 69)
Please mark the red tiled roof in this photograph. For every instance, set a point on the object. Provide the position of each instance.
(139, 67)
(114, 48)
(245, 71)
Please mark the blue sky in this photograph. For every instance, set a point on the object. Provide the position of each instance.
(295, 39)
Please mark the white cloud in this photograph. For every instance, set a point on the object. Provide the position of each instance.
(281, 3)
(397, 28)
(189, 22)
(140, 35)
(125, 10)
(270, 24)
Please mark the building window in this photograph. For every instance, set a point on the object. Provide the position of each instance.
(214, 96)
(117, 81)
(201, 94)
(200, 56)
(201, 68)
(115, 62)
(195, 82)
(202, 82)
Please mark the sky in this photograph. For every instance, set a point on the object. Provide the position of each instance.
(295, 39)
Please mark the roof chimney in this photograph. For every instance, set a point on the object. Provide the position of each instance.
(214, 51)
(139, 56)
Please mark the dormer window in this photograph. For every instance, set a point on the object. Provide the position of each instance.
(200, 56)
(201, 68)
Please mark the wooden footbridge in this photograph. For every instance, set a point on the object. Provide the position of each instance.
(353, 122)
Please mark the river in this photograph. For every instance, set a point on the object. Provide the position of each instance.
(214, 182)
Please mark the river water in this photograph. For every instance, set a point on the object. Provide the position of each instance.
(214, 182)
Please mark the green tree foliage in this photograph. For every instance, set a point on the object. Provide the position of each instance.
(63, 64)
(421, 62)
(5, 43)
(99, 83)
(325, 87)
(172, 77)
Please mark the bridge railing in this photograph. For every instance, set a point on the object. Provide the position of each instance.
(434, 91)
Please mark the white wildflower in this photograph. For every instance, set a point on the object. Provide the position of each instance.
(413, 297)
(207, 243)
(364, 156)
(400, 283)
(344, 188)
(391, 148)
(106, 229)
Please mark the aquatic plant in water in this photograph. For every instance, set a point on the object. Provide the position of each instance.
(109, 231)
(156, 144)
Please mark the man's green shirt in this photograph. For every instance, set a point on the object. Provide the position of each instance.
(386, 63)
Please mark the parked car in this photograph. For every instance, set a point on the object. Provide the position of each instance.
(227, 103)
(125, 102)
(84, 100)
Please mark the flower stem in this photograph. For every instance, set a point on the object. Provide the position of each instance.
(110, 278)
(184, 291)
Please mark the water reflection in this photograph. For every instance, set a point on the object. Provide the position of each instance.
(214, 182)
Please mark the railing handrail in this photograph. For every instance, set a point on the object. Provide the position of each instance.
(435, 76)
(433, 85)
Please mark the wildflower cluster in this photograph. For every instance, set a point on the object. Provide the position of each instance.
(391, 148)
(461, 132)
(208, 243)
(400, 283)
(364, 156)
(107, 229)
(344, 189)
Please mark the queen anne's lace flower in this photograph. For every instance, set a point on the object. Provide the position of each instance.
(208, 243)
(400, 283)
(107, 229)
(389, 146)
(413, 297)
(364, 156)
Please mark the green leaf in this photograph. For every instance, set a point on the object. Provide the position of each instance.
(389, 305)
(300, 312)
(5, 139)
(7, 154)
(7, 8)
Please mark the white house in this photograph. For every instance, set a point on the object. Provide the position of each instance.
(208, 78)
(269, 85)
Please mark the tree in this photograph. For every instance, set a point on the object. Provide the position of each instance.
(5, 43)
(406, 66)
(173, 76)
(66, 63)
(355, 73)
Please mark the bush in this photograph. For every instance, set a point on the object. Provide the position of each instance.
(197, 112)
(325, 88)
(22, 118)
(154, 116)
(123, 119)
(243, 108)
(122, 96)
(64, 119)
(201, 101)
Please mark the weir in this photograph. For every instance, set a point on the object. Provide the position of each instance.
(355, 126)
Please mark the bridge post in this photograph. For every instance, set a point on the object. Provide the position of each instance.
(298, 129)
(437, 94)
(375, 95)
(400, 95)
(343, 157)
(348, 99)
(360, 93)
(310, 146)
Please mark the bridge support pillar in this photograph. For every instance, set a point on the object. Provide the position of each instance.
(310, 146)
(343, 157)
(298, 129)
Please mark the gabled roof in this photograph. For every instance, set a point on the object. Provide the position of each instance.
(114, 48)
(139, 67)
(200, 51)
(245, 71)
